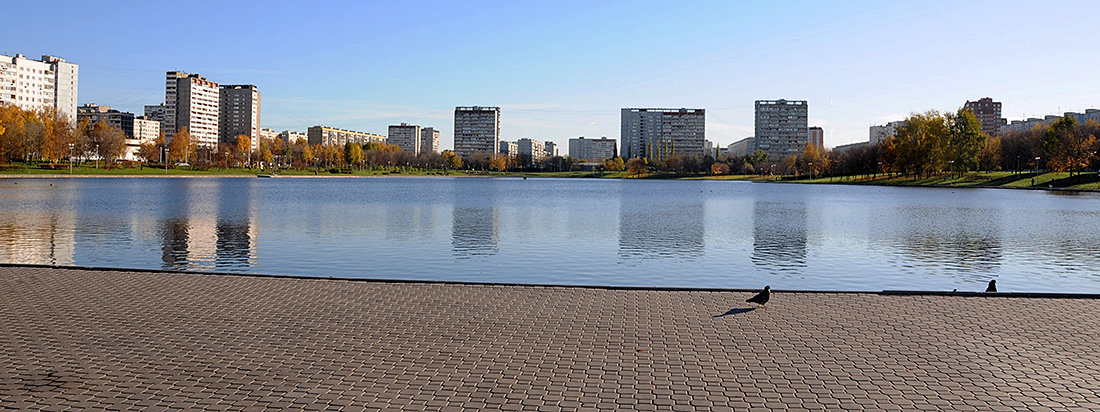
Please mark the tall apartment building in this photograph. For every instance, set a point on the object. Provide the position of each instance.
(592, 149)
(988, 113)
(816, 136)
(239, 113)
(551, 149)
(405, 135)
(661, 133)
(291, 137)
(781, 129)
(878, 134)
(477, 130)
(49, 83)
(429, 140)
(533, 149)
(156, 112)
(324, 135)
(193, 102)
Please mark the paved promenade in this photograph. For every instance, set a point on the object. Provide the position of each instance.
(131, 340)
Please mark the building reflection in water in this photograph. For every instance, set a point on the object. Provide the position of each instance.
(475, 230)
(661, 228)
(955, 240)
(32, 235)
(779, 237)
(193, 236)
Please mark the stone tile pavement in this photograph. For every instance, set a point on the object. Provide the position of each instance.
(78, 339)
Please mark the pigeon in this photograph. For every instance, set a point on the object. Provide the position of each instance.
(762, 297)
(992, 286)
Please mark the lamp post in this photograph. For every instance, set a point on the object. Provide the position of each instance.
(951, 166)
(878, 169)
(70, 158)
(811, 170)
(166, 152)
(97, 156)
(1037, 164)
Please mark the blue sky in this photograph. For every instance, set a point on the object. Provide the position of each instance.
(564, 69)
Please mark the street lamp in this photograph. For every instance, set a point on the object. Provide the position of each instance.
(70, 158)
(1037, 164)
(879, 169)
(951, 166)
(166, 152)
(97, 156)
(811, 170)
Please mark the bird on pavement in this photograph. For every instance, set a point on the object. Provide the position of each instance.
(762, 297)
(992, 286)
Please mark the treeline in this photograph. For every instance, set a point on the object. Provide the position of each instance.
(47, 136)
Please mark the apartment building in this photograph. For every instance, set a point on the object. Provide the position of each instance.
(878, 134)
(533, 149)
(657, 133)
(510, 149)
(477, 130)
(592, 149)
(405, 135)
(46, 84)
(551, 149)
(324, 135)
(816, 136)
(193, 102)
(781, 127)
(429, 140)
(291, 137)
(239, 113)
(988, 113)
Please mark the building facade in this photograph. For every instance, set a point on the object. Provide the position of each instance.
(145, 131)
(741, 148)
(46, 84)
(324, 135)
(239, 113)
(291, 137)
(781, 127)
(405, 135)
(879, 134)
(533, 149)
(592, 149)
(988, 113)
(510, 149)
(816, 136)
(657, 134)
(477, 130)
(95, 113)
(551, 149)
(1090, 115)
(429, 140)
(193, 102)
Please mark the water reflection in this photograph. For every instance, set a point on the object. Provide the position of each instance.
(656, 230)
(235, 229)
(475, 225)
(779, 237)
(195, 236)
(962, 241)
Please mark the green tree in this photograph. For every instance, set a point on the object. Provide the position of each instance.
(451, 160)
(921, 144)
(1066, 147)
(966, 141)
(353, 153)
(757, 157)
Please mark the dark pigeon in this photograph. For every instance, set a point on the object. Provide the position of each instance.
(992, 286)
(762, 297)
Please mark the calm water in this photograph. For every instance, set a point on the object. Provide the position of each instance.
(572, 231)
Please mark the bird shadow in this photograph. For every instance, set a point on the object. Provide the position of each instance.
(736, 311)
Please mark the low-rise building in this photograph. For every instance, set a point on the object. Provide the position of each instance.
(1027, 124)
(324, 135)
(291, 137)
(95, 113)
(145, 131)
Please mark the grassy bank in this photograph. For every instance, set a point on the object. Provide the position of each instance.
(1038, 180)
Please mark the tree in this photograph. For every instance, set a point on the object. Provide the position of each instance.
(353, 153)
(103, 140)
(720, 168)
(243, 148)
(966, 140)
(636, 166)
(990, 157)
(1066, 147)
(615, 164)
(451, 160)
(179, 148)
(813, 159)
(498, 163)
(921, 144)
(12, 128)
(53, 135)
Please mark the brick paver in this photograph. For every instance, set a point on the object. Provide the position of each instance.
(132, 340)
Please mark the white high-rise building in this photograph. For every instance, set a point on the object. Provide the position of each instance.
(662, 133)
(781, 128)
(533, 149)
(193, 102)
(405, 135)
(50, 83)
(429, 140)
(239, 113)
(477, 130)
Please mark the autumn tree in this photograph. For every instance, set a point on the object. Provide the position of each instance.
(353, 153)
(103, 140)
(720, 168)
(242, 149)
(498, 163)
(1066, 147)
(813, 159)
(451, 160)
(615, 164)
(636, 166)
(12, 129)
(179, 148)
(53, 135)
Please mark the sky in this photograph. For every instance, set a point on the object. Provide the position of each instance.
(564, 69)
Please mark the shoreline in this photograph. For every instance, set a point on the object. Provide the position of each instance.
(885, 292)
